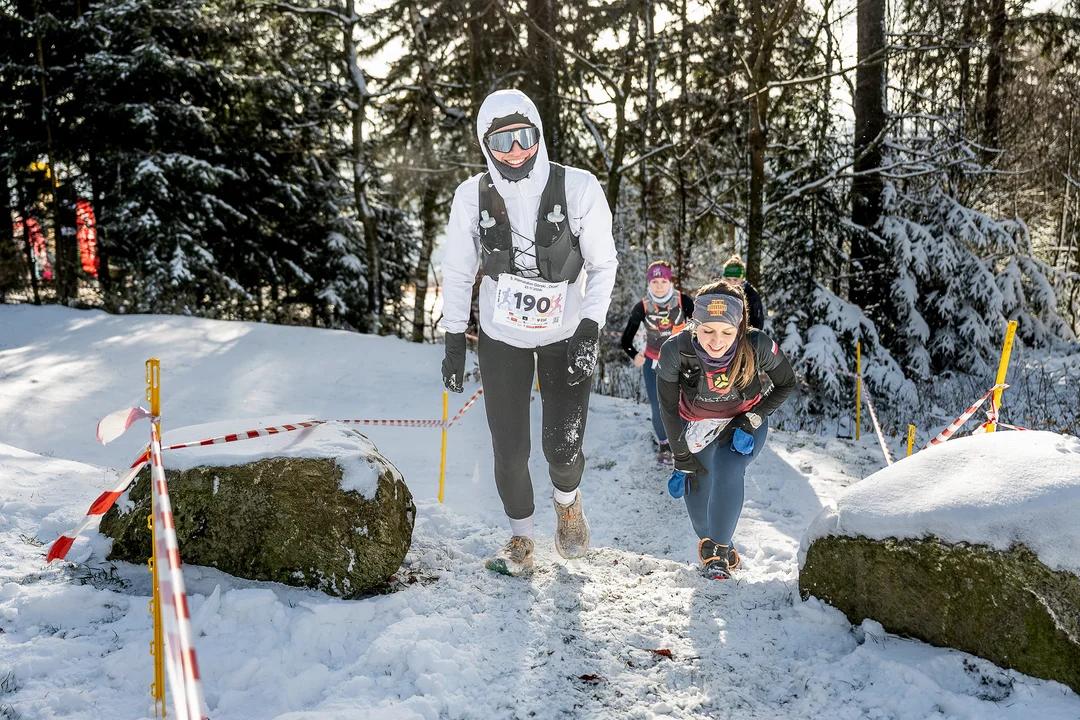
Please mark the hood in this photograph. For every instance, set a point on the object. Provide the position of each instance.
(500, 104)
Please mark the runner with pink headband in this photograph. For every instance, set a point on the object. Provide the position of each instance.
(665, 312)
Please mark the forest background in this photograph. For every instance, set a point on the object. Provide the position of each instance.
(901, 175)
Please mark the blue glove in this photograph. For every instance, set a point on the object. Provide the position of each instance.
(743, 442)
(676, 485)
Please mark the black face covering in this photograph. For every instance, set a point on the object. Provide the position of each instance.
(509, 172)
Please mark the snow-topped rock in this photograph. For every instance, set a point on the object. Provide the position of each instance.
(997, 489)
(971, 545)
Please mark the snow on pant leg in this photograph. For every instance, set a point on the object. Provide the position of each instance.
(648, 375)
(716, 504)
(566, 408)
(507, 374)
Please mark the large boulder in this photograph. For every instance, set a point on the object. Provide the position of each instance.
(320, 508)
(973, 545)
(1006, 607)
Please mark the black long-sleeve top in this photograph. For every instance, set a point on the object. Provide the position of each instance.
(682, 387)
(637, 316)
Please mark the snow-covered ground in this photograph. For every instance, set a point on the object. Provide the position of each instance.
(577, 639)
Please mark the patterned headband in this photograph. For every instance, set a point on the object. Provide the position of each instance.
(718, 308)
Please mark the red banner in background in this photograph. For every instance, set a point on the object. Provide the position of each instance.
(86, 235)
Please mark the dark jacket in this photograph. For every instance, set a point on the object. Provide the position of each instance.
(689, 390)
(637, 316)
(756, 309)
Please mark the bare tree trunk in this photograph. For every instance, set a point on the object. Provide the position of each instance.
(647, 122)
(1065, 201)
(429, 201)
(66, 248)
(868, 256)
(368, 219)
(618, 153)
(995, 79)
(766, 27)
(544, 75)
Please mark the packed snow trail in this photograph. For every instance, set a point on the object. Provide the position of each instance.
(576, 639)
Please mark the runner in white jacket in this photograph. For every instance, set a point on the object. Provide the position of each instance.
(544, 295)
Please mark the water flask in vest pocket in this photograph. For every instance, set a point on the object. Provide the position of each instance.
(561, 260)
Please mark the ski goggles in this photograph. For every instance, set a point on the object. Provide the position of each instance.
(503, 140)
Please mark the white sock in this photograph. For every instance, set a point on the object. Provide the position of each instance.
(523, 527)
(565, 498)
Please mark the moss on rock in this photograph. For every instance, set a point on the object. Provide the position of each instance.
(281, 519)
(1006, 607)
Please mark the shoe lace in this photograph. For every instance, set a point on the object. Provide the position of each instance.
(517, 548)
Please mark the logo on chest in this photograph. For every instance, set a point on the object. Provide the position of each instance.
(719, 381)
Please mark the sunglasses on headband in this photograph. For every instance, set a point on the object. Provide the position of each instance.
(503, 141)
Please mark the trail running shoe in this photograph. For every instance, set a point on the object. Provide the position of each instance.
(515, 558)
(572, 533)
(716, 569)
(714, 559)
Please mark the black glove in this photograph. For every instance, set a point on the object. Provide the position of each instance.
(748, 422)
(453, 364)
(582, 350)
(689, 464)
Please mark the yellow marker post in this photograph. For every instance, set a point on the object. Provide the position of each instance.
(858, 388)
(442, 463)
(910, 439)
(157, 647)
(1003, 368)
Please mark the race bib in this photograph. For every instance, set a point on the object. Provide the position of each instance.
(702, 432)
(528, 304)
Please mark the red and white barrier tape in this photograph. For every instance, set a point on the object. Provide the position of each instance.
(59, 549)
(993, 419)
(123, 418)
(964, 417)
(466, 406)
(877, 429)
(180, 660)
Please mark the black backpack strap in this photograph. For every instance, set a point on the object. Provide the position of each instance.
(553, 214)
(491, 202)
(493, 225)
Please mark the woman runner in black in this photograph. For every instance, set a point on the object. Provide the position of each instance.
(665, 311)
(715, 414)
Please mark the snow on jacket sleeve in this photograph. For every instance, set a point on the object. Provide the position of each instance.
(461, 257)
(598, 249)
(637, 316)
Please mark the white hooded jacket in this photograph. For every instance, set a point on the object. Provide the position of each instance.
(587, 211)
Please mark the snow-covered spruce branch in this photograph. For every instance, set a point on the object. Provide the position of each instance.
(834, 174)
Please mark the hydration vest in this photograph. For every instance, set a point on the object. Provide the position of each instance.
(708, 392)
(558, 252)
(661, 322)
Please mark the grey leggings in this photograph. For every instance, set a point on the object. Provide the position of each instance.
(507, 373)
(715, 504)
